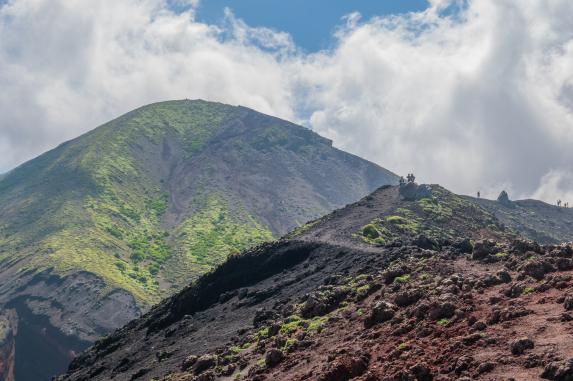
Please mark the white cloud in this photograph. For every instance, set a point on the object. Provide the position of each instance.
(68, 66)
(555, 185)
(478, 99)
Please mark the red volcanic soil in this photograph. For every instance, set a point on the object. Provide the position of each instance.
(428, 316)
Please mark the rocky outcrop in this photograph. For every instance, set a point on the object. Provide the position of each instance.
(413, 191)
(504, 200)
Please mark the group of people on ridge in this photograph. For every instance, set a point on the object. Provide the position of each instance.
(411, 178)
(565, 204)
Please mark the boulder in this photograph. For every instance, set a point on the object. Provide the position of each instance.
(324, 301)
(407, 298)
(463, 363)
(483, 248)
(518, 346)
(504, 276)
(559, 371)
(538, 268)
(408, 191)
(189, 362)
(381, 312)
(568, 303)
(423, 242)
(464, 246)
(523, 246)
(485, 367)
(203, 363)
(439, 311)
(504, 200)
(262, 316)
(394, 272)
(423, 191)
(345, 368)
(422, 372)
(414, 192)
(273, 357)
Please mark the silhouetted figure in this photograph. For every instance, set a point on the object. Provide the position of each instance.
(559, 203)
(402, 181)
(479, 194)
(411, 178)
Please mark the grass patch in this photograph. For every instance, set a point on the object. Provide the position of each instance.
(528, 290)
(443, 322)
(291, 324)
(402, 279)
(262, 333)
(317, 324)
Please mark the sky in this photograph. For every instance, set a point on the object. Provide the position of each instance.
(471, 94)
(311, 23)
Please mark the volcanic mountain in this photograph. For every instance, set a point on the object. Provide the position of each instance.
(402, 285)
(97, 230)
(534, 219)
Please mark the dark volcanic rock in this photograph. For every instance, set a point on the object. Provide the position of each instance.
(518, 346)
(345, 368)
(424, 242)
(504, 200)
(408, 297)
(523, 246)
(439, 311)
(273, 357)
(381, 312)
(203, 363)
(559, 371)
(568, 303)
(422, 372)
(408, 191)
(464, 245)
(483, 248)
(538, 268)
(414, 192)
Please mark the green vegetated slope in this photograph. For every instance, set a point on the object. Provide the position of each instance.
(149, 201)
(534, 219)
(443, 216)
(89, 205)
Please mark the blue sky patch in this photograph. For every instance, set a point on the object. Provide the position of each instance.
(311, 23)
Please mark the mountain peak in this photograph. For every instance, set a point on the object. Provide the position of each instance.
(141, 206)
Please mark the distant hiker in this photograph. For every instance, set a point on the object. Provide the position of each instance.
(558, 202)
(411, 178)
(402, 181)
(479, 194)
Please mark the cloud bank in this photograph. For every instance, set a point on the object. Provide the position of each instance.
(474, 95)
